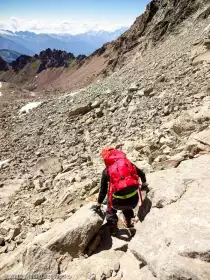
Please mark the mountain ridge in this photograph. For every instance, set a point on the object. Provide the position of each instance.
(32, 43)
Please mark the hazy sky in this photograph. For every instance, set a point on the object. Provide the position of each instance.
(74, 16)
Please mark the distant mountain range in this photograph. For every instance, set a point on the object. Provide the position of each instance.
(9, 55)
(30, 43)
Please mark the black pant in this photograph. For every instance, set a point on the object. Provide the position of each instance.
(126, 205)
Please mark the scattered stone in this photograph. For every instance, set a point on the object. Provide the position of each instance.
(94, 190)
(107, 273)
(148, 91)
(2, 219)
(38, 200)
(140, 93)
(117, 267)
(47, 185)
(4, 249)
(92, 277)
(96, 104)
(99, 113)
(36, 220)
(80, 110)
(14, 232)
(11, 247)
(114, 273)
(2, 241)
(133, 87)
(78, 178)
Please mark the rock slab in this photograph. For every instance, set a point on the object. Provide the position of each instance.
(174, 241)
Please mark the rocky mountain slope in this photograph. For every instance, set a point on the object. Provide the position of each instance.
(26, 68)
(160, 19)
(158, 106)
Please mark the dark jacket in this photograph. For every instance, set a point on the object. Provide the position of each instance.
(105, 183)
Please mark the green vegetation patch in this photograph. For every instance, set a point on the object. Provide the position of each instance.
(71, 63)
(35, 65)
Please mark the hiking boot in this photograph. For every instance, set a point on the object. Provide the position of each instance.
(129, 223)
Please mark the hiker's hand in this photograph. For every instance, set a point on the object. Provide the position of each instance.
(144, 185)
(96, 207)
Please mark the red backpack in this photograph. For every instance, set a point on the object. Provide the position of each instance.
(122, 173)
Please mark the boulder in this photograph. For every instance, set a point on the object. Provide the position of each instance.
(47, 166)
(11, 263)
(132, 270)
(96, 264)
(179, 244)
(72, 191)
(80, 110)
(183, 124)
(74, 234)
(198, 142)
(203, 137)
(39, 260)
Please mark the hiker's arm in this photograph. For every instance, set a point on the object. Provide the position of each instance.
(104, 187)
(141, 174)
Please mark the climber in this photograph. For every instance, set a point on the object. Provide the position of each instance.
(124, 189)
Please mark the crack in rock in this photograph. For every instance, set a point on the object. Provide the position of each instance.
(161, 203)
(203, 256)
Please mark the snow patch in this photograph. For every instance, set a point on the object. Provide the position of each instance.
(69, 95)
(5, 32)
(0, 94)
(30, 106)
(0, 84)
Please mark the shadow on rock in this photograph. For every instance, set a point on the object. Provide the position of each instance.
(126, 234)
(144, 209)
(117, 243)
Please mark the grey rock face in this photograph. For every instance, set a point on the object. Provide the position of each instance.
(173, 248)
(39, 260)
(48, 166)
(74, 234)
